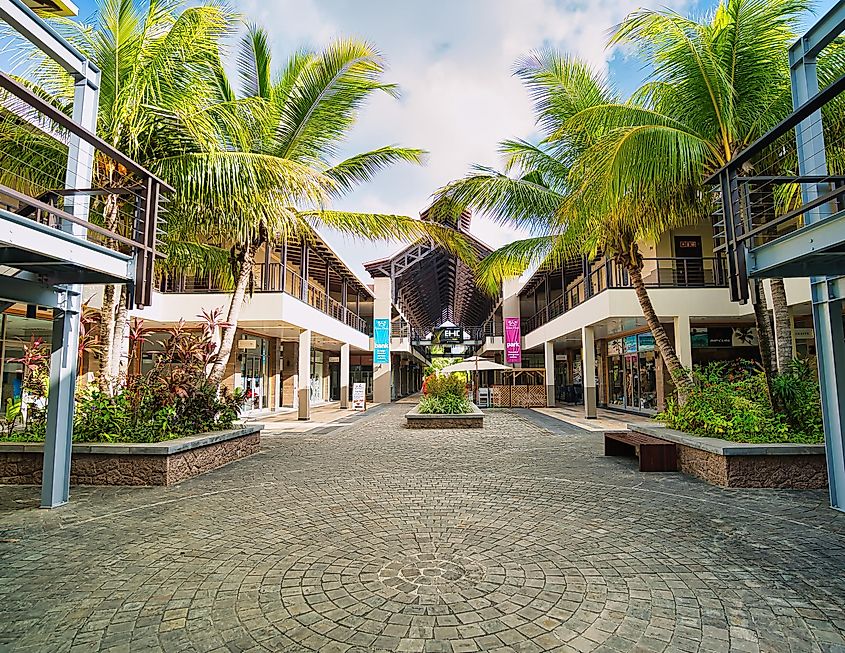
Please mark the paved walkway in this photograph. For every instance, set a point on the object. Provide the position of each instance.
(372, 537)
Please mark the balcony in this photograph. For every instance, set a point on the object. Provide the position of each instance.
(272, 278)
(62, 223)
(657, 273)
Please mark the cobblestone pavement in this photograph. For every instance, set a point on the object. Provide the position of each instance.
(369, 537)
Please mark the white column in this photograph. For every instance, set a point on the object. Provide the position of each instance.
(683, 340)
(344, 375)
(549, 354)
(382, 308)
(304, 373)
(588, 373)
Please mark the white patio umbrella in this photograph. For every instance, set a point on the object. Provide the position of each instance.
(474, 364)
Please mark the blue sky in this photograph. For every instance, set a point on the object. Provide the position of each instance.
(452, 60)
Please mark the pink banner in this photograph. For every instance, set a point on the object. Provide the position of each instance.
(513, 340)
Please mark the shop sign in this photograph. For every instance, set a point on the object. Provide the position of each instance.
(449, 335)
(699, 338)
(513, 340)
(720, 336)
(745, 337)
(247, 344)
(381, 341)
(359, 396)
(630, 344)
(614, 347)
(804, 333)
(560, 357)
(645, 342)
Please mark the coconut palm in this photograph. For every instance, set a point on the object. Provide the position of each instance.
(271, 173)
(153, 58)
(540, 191)
(717, 85)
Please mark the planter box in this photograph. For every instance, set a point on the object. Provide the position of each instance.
(737, 464)
(159, 463)
(473, 420)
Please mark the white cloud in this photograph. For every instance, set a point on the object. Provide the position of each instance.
(453, 61)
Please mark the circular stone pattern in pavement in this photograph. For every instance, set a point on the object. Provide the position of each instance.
(439, 576)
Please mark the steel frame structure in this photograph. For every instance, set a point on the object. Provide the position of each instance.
(816, 246)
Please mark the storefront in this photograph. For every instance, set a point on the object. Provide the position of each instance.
(712, 344)
(253, 378)
(632, 373)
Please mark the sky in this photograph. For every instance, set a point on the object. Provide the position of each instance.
(452, 60)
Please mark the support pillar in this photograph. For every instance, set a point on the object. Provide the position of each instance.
(55, 483)
(588, 373)
(830, 352)
(549, 355)
(382, 309)
(344, 375)
(304, 371)
(683, 340)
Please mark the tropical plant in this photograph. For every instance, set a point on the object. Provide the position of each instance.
(155, 58)
(268, 175)
(717, 84)
(445, 394)
(541, 190)
(730, 401)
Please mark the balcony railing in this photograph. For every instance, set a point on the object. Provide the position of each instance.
(271, 277)
(118, 210)
(657, 273)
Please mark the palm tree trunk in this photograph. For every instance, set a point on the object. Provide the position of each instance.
(227, 340)
(106, 374)
(107, 320)
(782, 327)
(679, 375)
(120, 337)
(764, 333)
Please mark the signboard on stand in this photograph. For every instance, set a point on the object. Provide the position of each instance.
(381, 341)
(513, 340)
(359, 396)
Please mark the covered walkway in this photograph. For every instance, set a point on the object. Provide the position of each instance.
(370, 537)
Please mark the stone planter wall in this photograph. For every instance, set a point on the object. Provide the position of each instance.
(160, 463)
(734, 464)
(473, 420)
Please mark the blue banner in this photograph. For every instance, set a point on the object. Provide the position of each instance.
(381, 341)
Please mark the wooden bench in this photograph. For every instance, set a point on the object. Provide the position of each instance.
(655, 455)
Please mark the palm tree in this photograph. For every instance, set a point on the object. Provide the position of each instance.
(717, 85)
(541, 190)
(154, 61)
(270, 173)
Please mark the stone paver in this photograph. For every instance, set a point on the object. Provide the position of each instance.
(371, 537)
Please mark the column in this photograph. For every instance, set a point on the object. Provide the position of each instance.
(55, 483)
(683, 340)
(588, 372)
(382, 309)
(549, 354)
(304, 372)
(344, 375)
(830, 352)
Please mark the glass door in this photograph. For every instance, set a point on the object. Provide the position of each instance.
(632, 385)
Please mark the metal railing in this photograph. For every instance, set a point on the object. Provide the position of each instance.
(765, 197)
(657, 273)
(121, 198)
(271, 277)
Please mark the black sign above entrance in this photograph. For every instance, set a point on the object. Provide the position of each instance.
(451, 335)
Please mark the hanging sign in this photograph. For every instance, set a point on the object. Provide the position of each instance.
(513, 340)
(381, 341)
(448, 335)
(359, 396)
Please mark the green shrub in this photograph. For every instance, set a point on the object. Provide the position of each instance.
(448, 404)
(171, 400)
(445, 394)
(439, 385)
(731, 402)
